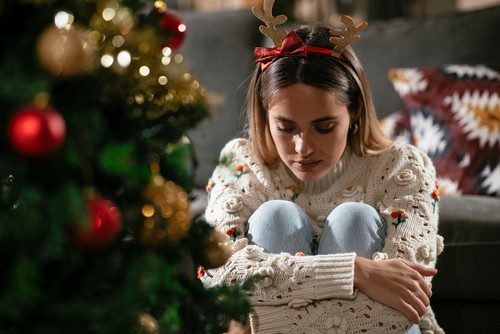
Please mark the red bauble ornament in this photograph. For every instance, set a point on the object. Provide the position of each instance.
(35, 131)
(104, 225)
(174, 29)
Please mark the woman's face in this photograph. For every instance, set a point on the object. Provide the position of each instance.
(309, 127)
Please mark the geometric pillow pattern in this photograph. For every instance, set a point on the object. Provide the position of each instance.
(452, 113)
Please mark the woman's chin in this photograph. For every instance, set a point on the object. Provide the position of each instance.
(308, 176)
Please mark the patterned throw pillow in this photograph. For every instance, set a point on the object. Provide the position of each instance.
(396, 126)
(454, 116)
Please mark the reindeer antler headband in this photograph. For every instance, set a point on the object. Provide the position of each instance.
(290, 45)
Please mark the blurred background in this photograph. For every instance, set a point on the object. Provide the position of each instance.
(324, 10)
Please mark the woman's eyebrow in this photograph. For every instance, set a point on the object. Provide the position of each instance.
(319, 120)
(324, 119)
(283, 119)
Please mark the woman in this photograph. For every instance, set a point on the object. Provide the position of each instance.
(337, 224)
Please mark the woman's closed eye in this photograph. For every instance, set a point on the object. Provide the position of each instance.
(287, 129)
(285, 126)
(324, 129)
(320, 128)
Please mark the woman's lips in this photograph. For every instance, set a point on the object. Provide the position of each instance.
(307, 164)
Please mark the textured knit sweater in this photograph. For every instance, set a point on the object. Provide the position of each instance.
(316, 294)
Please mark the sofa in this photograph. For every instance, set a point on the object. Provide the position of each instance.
(218, 50)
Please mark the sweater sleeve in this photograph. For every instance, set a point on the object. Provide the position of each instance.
(237, 188)
(410, 207)
(286, 279)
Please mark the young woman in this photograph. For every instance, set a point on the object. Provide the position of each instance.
(337, 225)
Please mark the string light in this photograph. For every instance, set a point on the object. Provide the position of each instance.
(135, 54)
(63, 19)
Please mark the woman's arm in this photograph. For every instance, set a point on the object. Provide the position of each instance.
(397, 283)
(238, 328)
(410, 210)
(410, 207)
(238, 187)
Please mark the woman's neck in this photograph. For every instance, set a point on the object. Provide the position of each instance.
(321, 185)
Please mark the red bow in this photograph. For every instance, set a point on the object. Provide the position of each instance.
(292, 46)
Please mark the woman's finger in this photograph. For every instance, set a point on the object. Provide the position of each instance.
(419, 301)
(424, 271)
(396, 282)
(409, 311)
(426, 287)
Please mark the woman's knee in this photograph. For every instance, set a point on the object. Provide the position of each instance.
(356, 209)
(355, 215)
(280, 213)
(280, 226)
(353, 227)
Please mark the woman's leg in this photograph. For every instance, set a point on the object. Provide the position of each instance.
(281, 226)
(353, 227)
(415, 329)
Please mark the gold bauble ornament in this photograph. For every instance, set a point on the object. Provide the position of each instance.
(148, 324)
(165, 214)
(216, 251)
(65, 51)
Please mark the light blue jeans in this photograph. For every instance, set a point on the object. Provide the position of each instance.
(282, 226)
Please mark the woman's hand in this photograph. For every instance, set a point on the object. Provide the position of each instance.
(397, 283)
(238, 328)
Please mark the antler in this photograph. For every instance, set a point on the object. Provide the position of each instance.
(342, 38)
(271, 22)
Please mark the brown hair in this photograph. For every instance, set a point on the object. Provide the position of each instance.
(344, 76)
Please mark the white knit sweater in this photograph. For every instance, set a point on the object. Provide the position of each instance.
(315, 294)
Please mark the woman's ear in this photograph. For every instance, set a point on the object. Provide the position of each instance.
(355, 116)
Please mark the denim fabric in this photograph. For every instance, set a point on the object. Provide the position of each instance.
(283, 226)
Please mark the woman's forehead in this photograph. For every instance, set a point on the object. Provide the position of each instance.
(302, 103)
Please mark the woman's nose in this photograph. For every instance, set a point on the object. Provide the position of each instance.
(303, 145)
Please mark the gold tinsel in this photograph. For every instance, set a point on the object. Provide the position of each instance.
(154, 81)
(217, 250)
(165, 214)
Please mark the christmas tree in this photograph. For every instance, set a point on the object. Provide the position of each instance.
(96, 234)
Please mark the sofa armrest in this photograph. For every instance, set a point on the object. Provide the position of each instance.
(469, 219)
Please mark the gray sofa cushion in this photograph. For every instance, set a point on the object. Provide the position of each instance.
(458, 38)
(218, 50)
(467, 316)
(466, 286)
(469, 219)
(468, 271)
